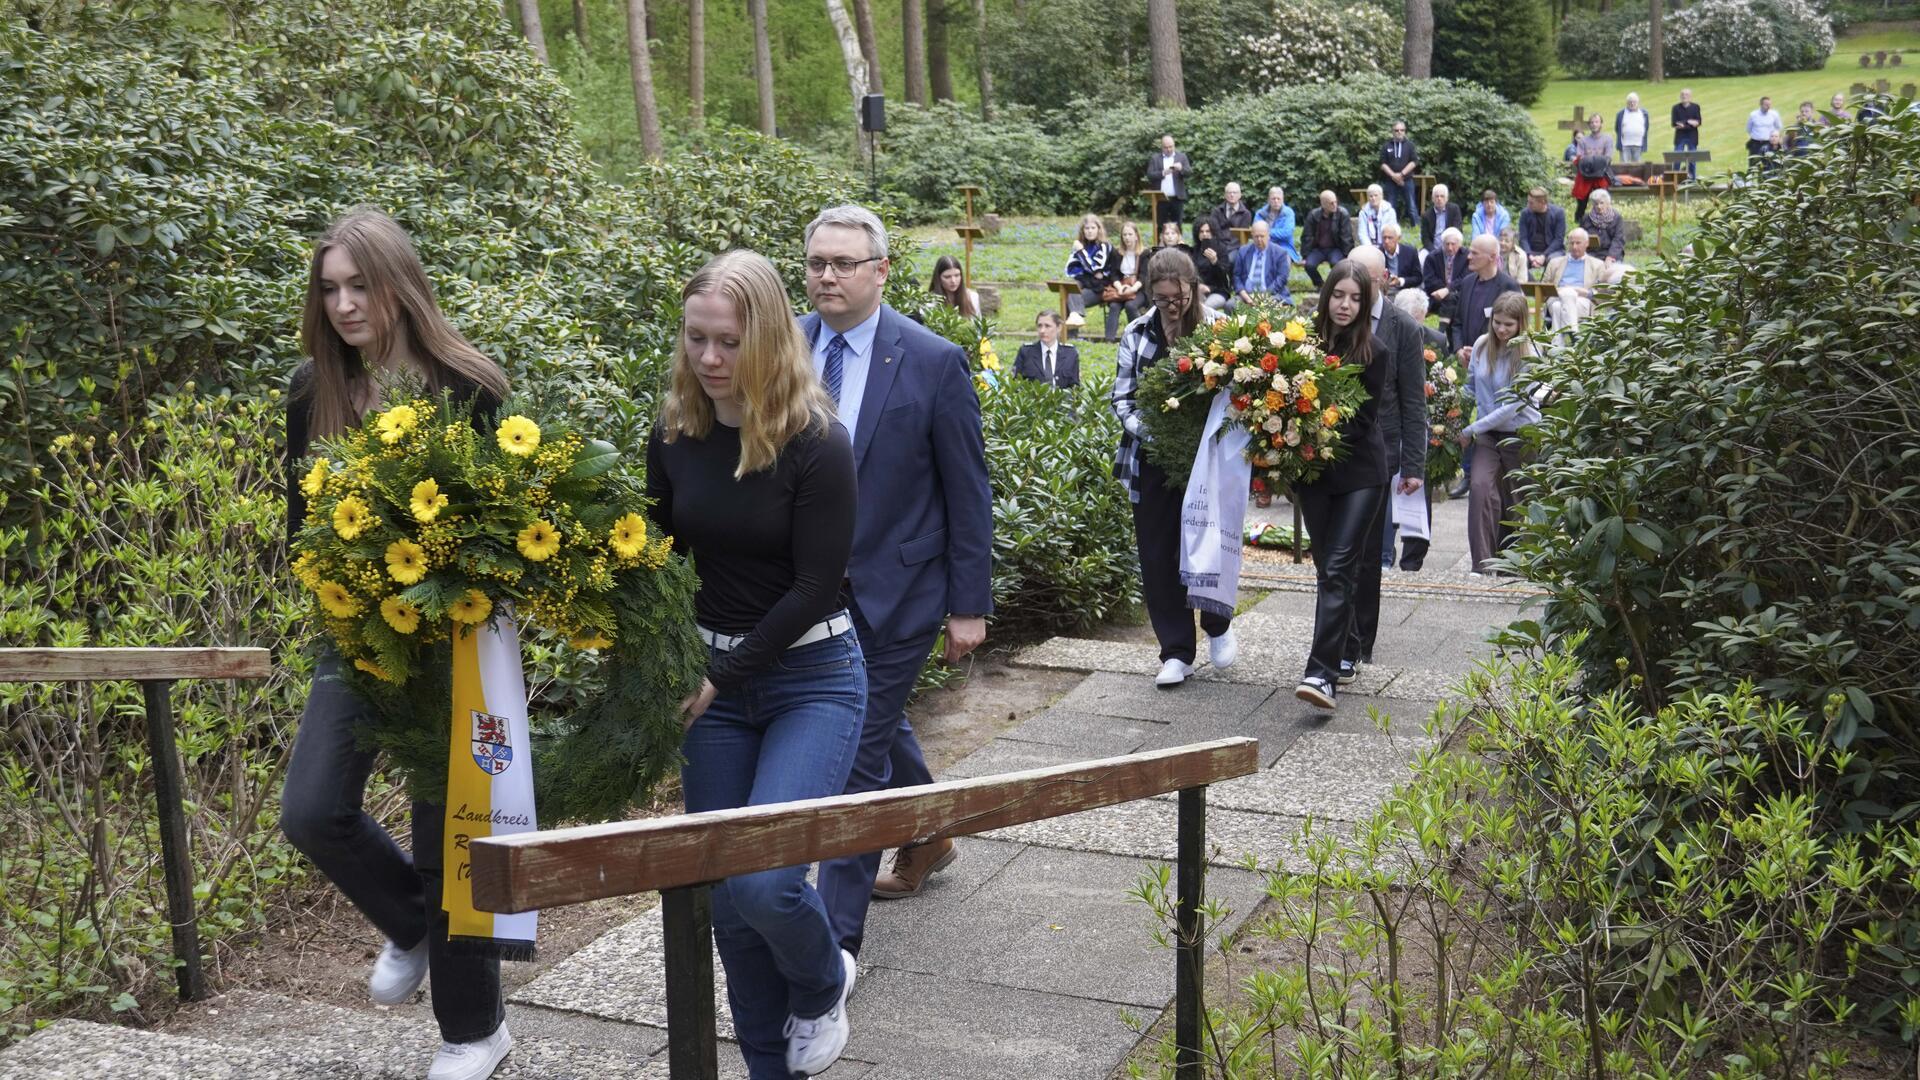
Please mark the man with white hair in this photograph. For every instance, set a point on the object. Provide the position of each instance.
(1375, 216)
(1403, 263)
(1232, 214)
(1441, 214)
(1630, 128)
(1574, 277)
(1445, 268)
(1414, 303)
(1328, 235)
(1403, 422)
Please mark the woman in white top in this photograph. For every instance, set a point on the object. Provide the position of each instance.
(1132, 268)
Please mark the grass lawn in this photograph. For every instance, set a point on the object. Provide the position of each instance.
(1725, 103)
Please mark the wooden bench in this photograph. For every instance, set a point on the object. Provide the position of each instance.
(156, 670)
(682, 856)
(1538, 293)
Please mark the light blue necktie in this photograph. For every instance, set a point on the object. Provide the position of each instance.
(836, 366)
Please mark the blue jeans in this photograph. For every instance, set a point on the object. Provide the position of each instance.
(788, 733)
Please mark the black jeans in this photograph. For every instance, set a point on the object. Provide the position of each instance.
(1174, 210)
(321, 812)
(1345, 529)
(1366, 591)
(1156, 530)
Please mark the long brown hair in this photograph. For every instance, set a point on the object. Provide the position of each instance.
(774, 383)
(1354, 343)
(399, 301)
(959, 298)
(1172, 264)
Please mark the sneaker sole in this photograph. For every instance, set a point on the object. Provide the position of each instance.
(944, 862)
(1313, 696)
(493, 1063)
(1345, 679)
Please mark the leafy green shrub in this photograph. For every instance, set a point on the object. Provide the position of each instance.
(1311, 137)
(1714, 37)
(930, 152)
(1504, 45)
(1584, 889)
(1589, 45)
(1319, 41)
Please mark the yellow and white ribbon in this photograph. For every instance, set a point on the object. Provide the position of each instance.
(489, 777)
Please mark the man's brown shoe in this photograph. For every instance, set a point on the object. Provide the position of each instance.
(912, 866)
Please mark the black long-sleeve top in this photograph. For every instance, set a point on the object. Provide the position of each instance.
(770, 547)
(300, 425)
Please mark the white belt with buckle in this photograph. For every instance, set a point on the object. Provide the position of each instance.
(832, 626)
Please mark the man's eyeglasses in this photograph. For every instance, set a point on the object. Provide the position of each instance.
(840, 267)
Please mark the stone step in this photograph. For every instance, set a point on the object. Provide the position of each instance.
(397, 1044)
(79, 1050)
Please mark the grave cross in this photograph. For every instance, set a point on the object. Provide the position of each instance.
(1576, 125)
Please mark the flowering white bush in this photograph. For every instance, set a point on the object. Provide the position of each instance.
(1712, 37)
(1315, 41)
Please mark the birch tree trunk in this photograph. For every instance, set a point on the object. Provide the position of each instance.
(530, 26)
(762, 63)
(646, 110)
(869, 44)
(1417, 54)
(913, 49)
(980, 59)
(1169, 86)
(850, 52)
(939, 64)
(697, 63)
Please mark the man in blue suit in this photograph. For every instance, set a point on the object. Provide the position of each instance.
(923, 534)
(1260, 269)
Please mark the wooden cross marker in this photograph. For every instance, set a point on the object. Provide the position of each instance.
(970, 191)
(1576, 125)
(969, 233)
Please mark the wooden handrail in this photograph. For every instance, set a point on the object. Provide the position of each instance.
(589, 862)
(101, 665)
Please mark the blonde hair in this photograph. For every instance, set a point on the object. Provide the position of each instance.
(774, 383)
(399, 301)
(1509, 306)
(1099, 230)
(1139, 245)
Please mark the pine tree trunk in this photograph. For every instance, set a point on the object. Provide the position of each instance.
(1417, 55)
(1169, 87)
(913, 49)
(980, 49)
(580, 23)
(939, 65)
(697, 63)
(1656, 42)
(850, 53)
(869, 44)
(530, 26)
(762, 63)
(646, 110)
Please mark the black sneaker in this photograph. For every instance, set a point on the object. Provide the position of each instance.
(1348, 672)
(1315, 691)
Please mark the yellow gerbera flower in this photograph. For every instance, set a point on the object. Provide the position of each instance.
(538, 541)
(374, 670)
(394, 424)
(472, 608)
(402, 616)
(427, 502)
(406, 561)
(629, 536)
(595, 640)
(351, 517)
(518, 436)
(1330, 416)
(316, 480)
(1310, 390)
(1296, 331)
(337, 600)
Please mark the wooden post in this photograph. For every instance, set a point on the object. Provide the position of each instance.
(1153, 208)
(967, 234)
(1190, 957)
(1241, 236)
(174, 857)
(686, 917)
(969, 191)
(1423, 193)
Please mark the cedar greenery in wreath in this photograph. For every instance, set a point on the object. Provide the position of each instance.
(417, 522)
(1290, 396)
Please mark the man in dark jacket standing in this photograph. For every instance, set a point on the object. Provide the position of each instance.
(1169, 169)
(1399, 160)
(1543, 232)
(1328, 235)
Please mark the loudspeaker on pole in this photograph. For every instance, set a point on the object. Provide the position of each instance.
(873, 112)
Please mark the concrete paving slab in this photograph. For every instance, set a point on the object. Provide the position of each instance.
(1005, 755)
(1325, 776)
(1145, 829)
(77, 1050)
(1135, 698)
(933, 1027)
(621, 976)
(1099, 736)
(1353, 716)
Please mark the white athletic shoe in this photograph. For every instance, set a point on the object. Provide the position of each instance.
(853, 972)
(1173, 673)
(471, 1061)
(1223, 650)
(813, 1045)
(1075, 319)
(397, 974)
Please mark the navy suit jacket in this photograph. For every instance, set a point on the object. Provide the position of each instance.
(923, 533)
(1276, 271)
(1027, 364)
(1404, 264)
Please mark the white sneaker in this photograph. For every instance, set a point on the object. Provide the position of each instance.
(471, 1061)
(1075, 319)
(853, 973)
(1223, 650)
(1173, 673)
(813, 1045)
(397, 974)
